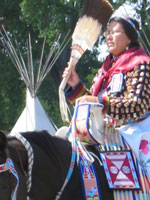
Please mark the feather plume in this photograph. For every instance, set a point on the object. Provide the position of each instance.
(82, 31)
(95, 15)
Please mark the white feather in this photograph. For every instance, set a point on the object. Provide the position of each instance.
(86, 32)
(85, 35)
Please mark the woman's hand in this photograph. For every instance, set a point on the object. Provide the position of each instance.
(88, 98)
(73, 78)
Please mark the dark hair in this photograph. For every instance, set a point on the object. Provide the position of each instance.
(131, 32)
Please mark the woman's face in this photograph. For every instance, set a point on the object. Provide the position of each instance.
(116, 38)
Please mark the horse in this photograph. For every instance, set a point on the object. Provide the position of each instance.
(52, 157)
(51, 162)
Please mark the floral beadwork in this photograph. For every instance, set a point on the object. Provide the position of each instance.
(144, 153)
(144, 146)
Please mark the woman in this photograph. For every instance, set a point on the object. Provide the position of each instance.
(122, 84)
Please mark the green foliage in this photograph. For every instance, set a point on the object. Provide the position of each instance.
(45, 18)
(87, 67)
(49, 99)
(52, 18)
(11, 94)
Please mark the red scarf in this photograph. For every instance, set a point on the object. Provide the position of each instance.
(126, 62)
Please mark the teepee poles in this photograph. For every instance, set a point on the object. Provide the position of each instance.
(51, 59)
(95, 15)
(31, 79)
(30, 65)
(18, 62)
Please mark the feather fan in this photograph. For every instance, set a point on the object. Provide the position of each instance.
(95, 15)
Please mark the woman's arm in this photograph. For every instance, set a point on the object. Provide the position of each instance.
(79, 91)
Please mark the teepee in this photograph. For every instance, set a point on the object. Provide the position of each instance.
(33, 116)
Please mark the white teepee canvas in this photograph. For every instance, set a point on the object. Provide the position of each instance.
(33, 117)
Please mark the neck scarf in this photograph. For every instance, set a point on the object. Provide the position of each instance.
(126, 62)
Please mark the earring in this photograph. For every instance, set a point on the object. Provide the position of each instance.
(127, 47)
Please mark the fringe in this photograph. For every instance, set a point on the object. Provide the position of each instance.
(114, 141)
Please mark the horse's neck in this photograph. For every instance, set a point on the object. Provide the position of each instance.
(55, 160)
(63, 149)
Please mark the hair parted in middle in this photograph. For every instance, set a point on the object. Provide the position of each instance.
(131, 28)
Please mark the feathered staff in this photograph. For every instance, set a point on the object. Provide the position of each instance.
(95, 15)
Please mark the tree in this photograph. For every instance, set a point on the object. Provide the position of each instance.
(46, 18)
(143, 10)
(11, 90)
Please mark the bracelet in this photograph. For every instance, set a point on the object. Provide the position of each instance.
(105, 101)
